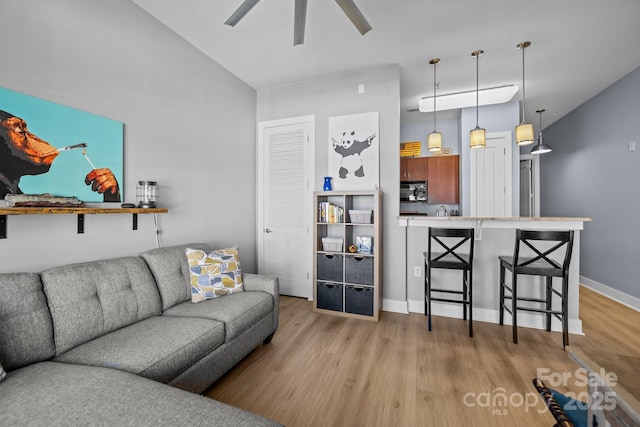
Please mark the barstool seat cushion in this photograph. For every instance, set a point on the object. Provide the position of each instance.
(540, 267)
(448, 261)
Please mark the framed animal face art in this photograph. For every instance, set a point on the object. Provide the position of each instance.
(354, 162)
(47, 148)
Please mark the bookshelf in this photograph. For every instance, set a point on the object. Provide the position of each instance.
(348, 253)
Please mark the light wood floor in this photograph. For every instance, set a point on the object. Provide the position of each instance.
(322, 370)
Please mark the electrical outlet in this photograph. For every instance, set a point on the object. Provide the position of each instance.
(417, 271)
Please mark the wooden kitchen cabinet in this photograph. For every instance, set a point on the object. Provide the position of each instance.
(443, 174)
(414, 168)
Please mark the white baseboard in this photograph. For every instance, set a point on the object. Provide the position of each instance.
(527, 320)
(395, 306)
(609, 292)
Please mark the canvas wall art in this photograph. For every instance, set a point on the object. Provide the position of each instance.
(354, 151)
(48, 148)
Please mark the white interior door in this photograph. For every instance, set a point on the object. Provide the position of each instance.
(491, 177)
(285, 165)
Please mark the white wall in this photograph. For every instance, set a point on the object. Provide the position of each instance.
(337, 95)
(188, 124)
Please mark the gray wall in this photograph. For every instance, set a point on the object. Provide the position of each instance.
(337, 95)
(188, 123)
(591, 173)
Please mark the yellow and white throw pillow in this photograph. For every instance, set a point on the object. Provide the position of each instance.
(214, 274)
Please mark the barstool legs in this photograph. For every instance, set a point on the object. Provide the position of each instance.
(502, 294)
(514, 309)
(548, 296)
(467, 296)
(427, 293)
(470, 303)
(565, 311)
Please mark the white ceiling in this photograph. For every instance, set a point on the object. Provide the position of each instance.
(578, 47)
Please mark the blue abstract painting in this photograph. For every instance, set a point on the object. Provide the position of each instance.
(50, 148)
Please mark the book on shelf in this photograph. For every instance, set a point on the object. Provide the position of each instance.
(330, 213)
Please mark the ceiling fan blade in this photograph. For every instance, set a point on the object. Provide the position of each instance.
(240, 12)
(299, 23)
(353, 13)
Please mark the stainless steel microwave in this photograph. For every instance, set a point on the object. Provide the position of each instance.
(413, 191)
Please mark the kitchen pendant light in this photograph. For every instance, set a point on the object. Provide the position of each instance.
(477, 137)
(435, 138)
(540, 147)
(524, 131)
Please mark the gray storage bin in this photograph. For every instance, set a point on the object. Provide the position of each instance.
(359, 269)
(329, 267)
(358, 300)
(329, 296)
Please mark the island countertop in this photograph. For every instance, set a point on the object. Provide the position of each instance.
(491, 218)
(480, 222)
(494, 236)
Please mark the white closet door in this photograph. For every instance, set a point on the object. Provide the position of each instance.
(284, 200)
(491, 177)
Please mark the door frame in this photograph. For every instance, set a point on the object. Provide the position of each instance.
(309, 155)
(535, 184)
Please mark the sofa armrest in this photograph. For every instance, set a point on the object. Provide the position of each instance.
(261, 282)
(268, 284)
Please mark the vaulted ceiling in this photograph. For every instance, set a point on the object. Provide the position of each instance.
(578, 47)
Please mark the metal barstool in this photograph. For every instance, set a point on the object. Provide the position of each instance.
(449, 255)
(540, 264)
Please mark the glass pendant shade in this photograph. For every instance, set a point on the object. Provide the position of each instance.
(477, 138)
(435, 141)
(524, 134)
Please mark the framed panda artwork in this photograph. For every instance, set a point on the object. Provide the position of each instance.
(353, 161)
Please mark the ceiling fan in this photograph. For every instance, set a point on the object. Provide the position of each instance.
(348, 7)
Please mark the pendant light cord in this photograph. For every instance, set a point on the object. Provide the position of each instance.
(523, 46)
(477, 54)
(434, 62)
(477, 87)
(434, 95)
(523, 92)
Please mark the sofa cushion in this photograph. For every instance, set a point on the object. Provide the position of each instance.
(59, 394)
(238, 311)
(91, 299)
(171, 271)
(159, 348)
(26, 332)
(214, 274)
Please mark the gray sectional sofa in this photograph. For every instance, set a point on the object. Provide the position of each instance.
(118, 342)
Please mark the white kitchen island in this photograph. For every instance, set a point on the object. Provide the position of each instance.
(493, 237)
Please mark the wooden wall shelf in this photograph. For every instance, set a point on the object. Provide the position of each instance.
(80, 211)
